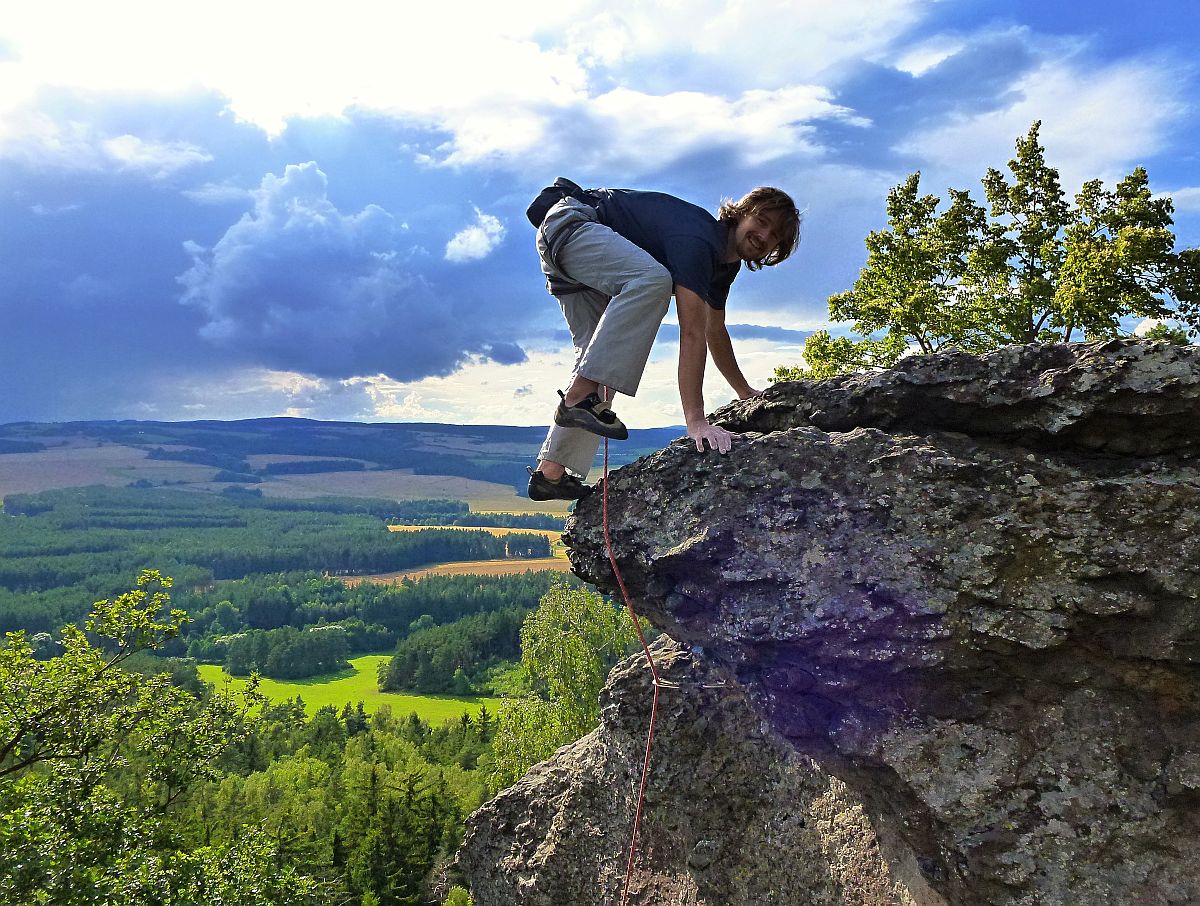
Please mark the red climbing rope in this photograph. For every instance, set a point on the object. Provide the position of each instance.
(637, 815)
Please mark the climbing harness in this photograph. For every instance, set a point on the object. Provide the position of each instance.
(637, 815)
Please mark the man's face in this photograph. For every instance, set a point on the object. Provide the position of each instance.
(756, 235)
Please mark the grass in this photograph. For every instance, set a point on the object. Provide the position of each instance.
(354, 685)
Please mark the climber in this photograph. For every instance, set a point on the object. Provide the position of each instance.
(613, 258)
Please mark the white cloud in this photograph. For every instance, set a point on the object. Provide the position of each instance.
(476, 241)
(218, 193)
(469, 395)
(917, 59)
(251, 393)
(1096, 123)
(1186, 199)
(781, 41)
(1146, 325)
(42, 210)
(36, 139)
(636, 132)
(155, 159)
(499, 77)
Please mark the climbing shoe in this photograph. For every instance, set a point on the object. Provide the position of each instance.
(591, 414)
(568, 487)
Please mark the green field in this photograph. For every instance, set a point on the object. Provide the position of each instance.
(355, 685)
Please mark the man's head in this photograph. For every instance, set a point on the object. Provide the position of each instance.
(765, 226)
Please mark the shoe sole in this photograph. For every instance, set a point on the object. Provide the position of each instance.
(542, 496)
(591, 424)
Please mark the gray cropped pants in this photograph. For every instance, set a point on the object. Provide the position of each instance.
(614, 316)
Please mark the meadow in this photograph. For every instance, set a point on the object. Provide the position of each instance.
(359, 683)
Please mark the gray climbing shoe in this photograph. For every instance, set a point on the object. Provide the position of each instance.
(592, 414)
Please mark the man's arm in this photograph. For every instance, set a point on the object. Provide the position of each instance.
(721, 348)
(693, 353)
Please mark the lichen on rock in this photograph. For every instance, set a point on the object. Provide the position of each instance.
(960, 597)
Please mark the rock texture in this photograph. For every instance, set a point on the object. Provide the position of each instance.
(967, 588)
(714, 829)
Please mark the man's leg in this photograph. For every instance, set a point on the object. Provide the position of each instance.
(613, 325)
(639, 289)
(574, 448)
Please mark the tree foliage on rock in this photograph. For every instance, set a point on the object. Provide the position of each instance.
(568, 646)
(1030, 268)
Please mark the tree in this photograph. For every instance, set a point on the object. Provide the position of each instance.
(1030, 268)
(71, 829)
(568, 645)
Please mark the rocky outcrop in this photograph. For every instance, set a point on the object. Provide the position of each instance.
(713, 832)
(955, 604)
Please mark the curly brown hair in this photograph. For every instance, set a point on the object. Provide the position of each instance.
(767, 200)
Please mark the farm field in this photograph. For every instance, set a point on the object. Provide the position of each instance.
(402, 484)
(467, 568)
(355, 685)
(116, 465)
(75, 466)
(484, 465)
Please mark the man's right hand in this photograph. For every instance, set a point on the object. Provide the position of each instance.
(716, 437)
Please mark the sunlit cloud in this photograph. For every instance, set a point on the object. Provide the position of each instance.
(1096, 122)
(476, 241)
(156, 159)
(1186, 199)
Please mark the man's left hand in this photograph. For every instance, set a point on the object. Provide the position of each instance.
(715, 436)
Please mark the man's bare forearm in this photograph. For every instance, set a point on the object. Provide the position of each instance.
(693, 352)
(723, 356)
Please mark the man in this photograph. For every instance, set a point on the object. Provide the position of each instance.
(613, 258)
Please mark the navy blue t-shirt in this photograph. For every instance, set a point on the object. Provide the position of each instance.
(682, 237)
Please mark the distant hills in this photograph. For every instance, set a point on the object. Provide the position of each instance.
(287, 456)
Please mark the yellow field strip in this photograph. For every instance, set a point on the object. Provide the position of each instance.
(467, 568)
(552, 534)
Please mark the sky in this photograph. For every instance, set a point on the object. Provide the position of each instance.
(233, 210)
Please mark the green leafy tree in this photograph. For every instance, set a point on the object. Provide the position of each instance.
(1175, 335)
(92, 760)
(568, 645)
(1032, 267)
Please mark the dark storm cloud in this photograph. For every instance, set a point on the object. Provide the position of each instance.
(298, 285)
(351, 281)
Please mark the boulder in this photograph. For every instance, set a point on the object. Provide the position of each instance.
(955, 604)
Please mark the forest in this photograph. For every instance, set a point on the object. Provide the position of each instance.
(68, 547)
(220, 798)
(286, 626)
(124, 779)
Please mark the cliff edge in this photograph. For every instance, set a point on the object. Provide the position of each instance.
(938, 641)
